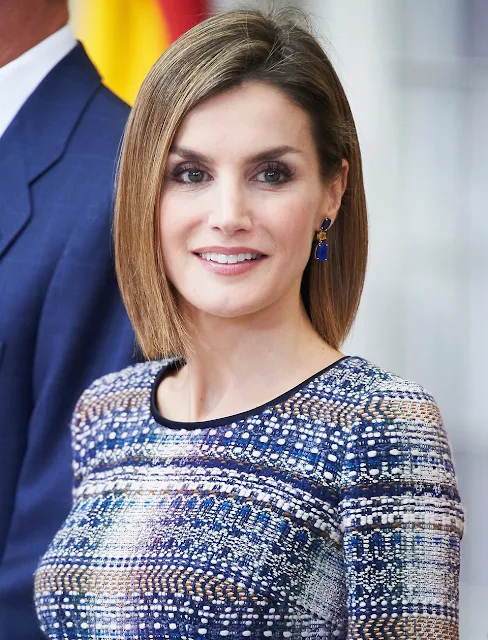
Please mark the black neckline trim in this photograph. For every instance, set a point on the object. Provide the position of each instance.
(226, 420)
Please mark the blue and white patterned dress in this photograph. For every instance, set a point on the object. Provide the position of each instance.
(331, 512)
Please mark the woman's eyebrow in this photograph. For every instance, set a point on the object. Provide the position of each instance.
(268, 154)
(188, 154)
(274, 153)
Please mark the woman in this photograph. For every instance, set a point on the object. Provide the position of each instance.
(250, 480)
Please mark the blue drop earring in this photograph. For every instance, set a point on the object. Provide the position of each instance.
(321, 249)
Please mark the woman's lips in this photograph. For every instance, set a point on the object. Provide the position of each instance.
(225, 262)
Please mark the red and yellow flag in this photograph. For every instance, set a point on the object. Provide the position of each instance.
(125, 37)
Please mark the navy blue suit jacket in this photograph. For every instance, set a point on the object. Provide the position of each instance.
(62, 323)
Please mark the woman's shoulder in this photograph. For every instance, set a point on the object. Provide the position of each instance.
(106, 408)
(369, 379)
(120, 390)
(135, 375)
(395, 437)
(380, 394)
(398, 416)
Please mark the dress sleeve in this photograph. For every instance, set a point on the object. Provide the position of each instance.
(402, 520)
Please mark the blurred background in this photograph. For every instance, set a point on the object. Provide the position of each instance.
(416, 74)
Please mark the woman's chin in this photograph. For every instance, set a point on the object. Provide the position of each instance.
(226, 310)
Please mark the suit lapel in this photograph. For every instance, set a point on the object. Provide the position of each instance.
(14, 190)
(38, 135)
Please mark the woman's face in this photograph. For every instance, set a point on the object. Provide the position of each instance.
(241, 200)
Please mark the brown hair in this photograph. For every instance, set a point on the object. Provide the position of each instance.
(219, 53)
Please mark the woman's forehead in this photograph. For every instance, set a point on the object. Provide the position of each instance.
(250, 118)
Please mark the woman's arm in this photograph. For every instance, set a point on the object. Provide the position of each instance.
(402, 519)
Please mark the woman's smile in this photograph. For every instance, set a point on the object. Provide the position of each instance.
(229, 261)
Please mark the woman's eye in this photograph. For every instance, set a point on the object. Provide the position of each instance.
(271, 176)
(191, 176)
(274, 175)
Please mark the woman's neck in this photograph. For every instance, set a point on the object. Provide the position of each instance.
(241, 363)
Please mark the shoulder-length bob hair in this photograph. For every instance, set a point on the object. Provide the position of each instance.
(223, 52)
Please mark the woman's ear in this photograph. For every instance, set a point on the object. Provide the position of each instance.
(333, 192)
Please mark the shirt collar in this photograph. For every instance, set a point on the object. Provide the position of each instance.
(19, 78)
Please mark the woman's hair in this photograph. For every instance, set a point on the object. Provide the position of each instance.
(223, 52)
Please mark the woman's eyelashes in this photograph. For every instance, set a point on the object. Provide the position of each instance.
(272, 173)
(190, 173)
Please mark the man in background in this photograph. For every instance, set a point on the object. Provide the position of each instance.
(62, 323)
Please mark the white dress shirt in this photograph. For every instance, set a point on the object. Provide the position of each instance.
(19, 78)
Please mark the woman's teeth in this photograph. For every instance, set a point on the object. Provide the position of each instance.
(229, 259)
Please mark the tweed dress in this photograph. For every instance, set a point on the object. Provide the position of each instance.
(329, 512)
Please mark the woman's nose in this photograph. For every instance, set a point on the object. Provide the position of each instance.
(230, 212)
